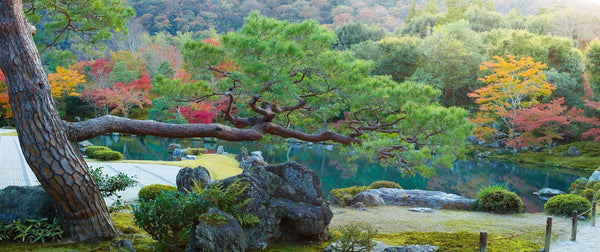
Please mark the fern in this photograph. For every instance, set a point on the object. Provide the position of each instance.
(246, 220)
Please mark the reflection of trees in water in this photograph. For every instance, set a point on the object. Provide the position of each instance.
(336, 170)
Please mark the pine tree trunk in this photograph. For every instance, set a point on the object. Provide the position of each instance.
(55, 160)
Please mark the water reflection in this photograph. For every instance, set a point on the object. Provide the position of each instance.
(465, 178)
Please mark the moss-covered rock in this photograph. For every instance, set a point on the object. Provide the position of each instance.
(384, 184)
(150, 192)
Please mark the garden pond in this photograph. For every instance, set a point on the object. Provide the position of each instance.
(336, 170)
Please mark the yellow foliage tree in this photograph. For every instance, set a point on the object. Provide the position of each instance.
(513, 85)
(63, 83)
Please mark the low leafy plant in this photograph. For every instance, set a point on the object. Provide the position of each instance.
(384, 184)
(589, 194)
(31, 231)
(171, 214)
(91, 150)
(354, 237)
(344, 196)
(107, 155)
(565, 204)
(195, 151)
(578, 186)
(150, 192)
(110, 185)
(497, 199)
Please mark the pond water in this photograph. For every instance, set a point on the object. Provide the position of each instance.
(464, 178)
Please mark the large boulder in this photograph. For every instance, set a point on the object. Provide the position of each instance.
(225, 237)
(423, 198)
(253, 160)
(369, 199)
(26, 202)
(188, 177)
(547, 193)
(287, 199)
(595, 176)
(573, 152)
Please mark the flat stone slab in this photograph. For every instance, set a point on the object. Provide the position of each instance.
(423, 198)
(421, 210)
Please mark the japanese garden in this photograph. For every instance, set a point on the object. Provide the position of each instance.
(284, 125)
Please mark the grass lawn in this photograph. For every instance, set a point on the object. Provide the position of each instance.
(219, 166)
(12, 133)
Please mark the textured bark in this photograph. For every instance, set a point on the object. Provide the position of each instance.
(57, 164)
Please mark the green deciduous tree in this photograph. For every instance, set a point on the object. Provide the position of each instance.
(592, 65)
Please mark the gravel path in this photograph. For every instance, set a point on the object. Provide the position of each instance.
(587, 240)
(15, 171)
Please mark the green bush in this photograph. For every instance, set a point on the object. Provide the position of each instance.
(344, 196)
(170, 215)
(578, 186)
(150, 192)
(31, 231)
(355, 237)
(384, 184)
(107, 155)
(110, 185)
(195, 151)
(497, 199)
(592, 184)
(91, 150)
(589, 194)
(565, 204)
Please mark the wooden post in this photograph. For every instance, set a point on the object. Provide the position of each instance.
(593, 213)
(574, 226)
(482, 241)
(548, 234)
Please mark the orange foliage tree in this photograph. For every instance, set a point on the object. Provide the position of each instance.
(63, 84)
(5, 111)
(513, 85)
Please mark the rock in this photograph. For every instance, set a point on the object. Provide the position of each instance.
(328, 147)
(84, 144)
(595, 176)
(423, 198)
(359, 206)
(538, 149)
(337, 246)
(581, 217)
(573, 152)
(189, 157)
(494, 145)
(246, 162)
(413, 248)
(220, 150)
(178, 153)
(26, 202)
(524, 148)
(188, 177)
(225, 237)
(481, 142)
(174, 146)
(421, 210)
(123, 243)
(369, 199)
(129, 230)
(287, 199)
(257, 154)
(547, 193)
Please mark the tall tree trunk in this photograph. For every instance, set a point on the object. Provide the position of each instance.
(57, 164)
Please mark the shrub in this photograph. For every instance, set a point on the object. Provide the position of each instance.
(578, 186)
(150, 192)
(355, 237)
(107, 155)
(589, 194)
(91, 150)
(592, 184)
(31, 231)
(110, 185)
(497, 199)
(384, 184)
(170, 215)
(344, 196)
(195, 151)
(565, 204)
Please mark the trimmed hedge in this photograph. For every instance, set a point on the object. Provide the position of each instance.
(195, 151)
(91, 150)
(150, 192)
(565, 204)
(344, 196)
(384, 184)
(500, 201)
(108, 155)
